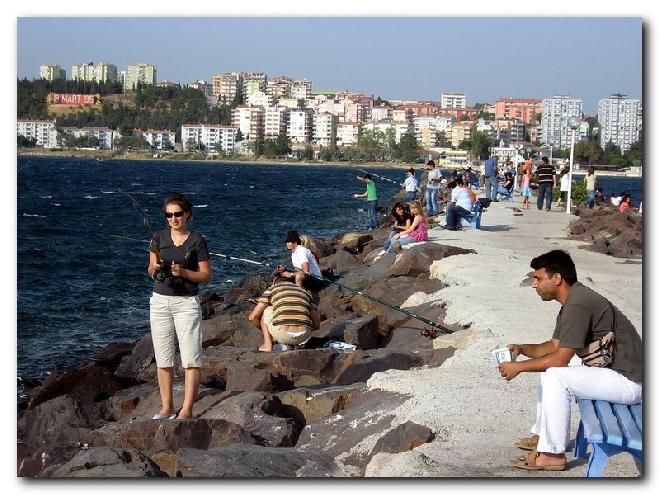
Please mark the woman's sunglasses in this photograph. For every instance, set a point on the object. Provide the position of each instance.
(174, 214)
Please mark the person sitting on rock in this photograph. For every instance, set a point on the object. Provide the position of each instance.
(570, 368)
(304, 261)
(626, 202)
(285, 312)
(417, 232)
(505, 189)
(403, 219)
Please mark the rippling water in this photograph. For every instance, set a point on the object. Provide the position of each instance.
(78, 290)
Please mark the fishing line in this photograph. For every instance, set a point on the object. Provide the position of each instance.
(379, 176)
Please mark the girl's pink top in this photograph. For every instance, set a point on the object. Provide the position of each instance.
(420, 233)
(622, 207)
(527, 178)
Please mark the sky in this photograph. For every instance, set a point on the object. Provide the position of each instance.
(393, 57)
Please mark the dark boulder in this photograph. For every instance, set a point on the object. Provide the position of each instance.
(138, 364)
(108, 462)
(251, 461)
(403, 438)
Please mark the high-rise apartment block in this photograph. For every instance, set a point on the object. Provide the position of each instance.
(275, 122)
(157, 139)
(618, 117)
(226, 87)
(554, 120)
(300, 127)
(51, 72)
(91, 72)
(253, 82)
(250, 120)
(140, 73)
(325, 129)
(279, 87)
(523, 109)
(301, 90)
(453, 100)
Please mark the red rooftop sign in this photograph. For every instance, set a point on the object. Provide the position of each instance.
(73, 99)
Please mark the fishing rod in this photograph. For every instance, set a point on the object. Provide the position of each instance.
(379, 176)
(380, 301)
(226, 256)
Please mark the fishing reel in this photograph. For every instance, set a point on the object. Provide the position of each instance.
(163, 272)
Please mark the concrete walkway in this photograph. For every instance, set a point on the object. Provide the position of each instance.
(475, 413)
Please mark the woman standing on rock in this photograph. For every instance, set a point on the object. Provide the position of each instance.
(178, 263)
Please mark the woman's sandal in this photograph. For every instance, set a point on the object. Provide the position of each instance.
(528, 462)
(527, 443)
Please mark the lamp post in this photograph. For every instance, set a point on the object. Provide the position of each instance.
(574, 124)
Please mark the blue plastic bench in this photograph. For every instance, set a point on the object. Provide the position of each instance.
(609, 429)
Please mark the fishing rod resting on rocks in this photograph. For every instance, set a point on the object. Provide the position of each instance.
(431, 333)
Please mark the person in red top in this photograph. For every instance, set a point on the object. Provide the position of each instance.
(626, 202)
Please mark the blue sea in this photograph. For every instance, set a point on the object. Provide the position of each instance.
(79, 291)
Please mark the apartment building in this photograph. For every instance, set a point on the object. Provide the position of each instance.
(347, 133)
(83, 72)
(226, 87)
(51, 72)
(522, 109)
(279, 87)
(203, 86)
(42, 131)
(459, 133)
(453, 100)
(554, 120)
(325, 129)
(618, 118)
(259, 98)
(300, 126)
(253, 82)
(508, 130)
(402, 115)
(140, 73)
(434, 123)
(105, 135)
(275, 121)
(301, 89)
(157, 139)
(381, 113)
(212, 138)
(250, 121)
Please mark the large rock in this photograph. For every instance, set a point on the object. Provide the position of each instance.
(251, 461)
(107, 462)
(404, 437)
(231, 330)
(88, 384)
(259, 414)
(124, 402)
(309, 405)
(137, 365)
(60, 421)
(170, 435)
(361, 332)
(418, 259)
(618, 234)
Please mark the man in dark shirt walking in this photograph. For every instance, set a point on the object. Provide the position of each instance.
(547, 182)
(569, 369)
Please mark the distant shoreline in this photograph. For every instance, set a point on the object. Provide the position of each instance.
(109, 155)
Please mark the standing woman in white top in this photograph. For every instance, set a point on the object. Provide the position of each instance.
(563, 186)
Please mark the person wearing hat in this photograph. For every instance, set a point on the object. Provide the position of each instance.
(304, 262)
(372, 198)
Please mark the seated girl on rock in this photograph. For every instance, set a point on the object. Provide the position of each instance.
(417, 232)
(402, 220)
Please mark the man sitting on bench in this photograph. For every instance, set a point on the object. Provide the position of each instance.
(588, 327)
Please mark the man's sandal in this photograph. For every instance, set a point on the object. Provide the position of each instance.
(528, 463)
(527, 443)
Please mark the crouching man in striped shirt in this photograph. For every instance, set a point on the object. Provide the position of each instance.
(285, 313)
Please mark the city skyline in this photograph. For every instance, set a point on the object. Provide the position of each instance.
(394, 58)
